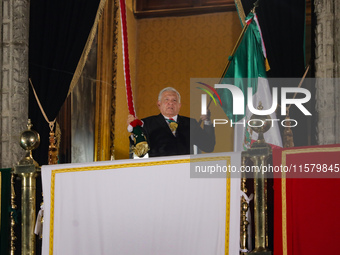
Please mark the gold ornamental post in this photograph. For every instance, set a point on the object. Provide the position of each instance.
(259, 153)
(13, 237)
(27, 169)
(244, 210)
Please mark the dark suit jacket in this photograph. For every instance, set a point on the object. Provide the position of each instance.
(163, 143)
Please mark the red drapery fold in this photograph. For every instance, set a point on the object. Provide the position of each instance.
(306, 203)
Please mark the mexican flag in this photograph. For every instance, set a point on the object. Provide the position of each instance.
(248, 69)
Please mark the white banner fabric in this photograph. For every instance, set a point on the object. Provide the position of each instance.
(145, 207)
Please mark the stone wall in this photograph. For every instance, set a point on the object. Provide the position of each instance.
(14, 78)
(327, 70)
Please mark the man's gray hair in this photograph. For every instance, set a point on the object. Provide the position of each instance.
(169, 89)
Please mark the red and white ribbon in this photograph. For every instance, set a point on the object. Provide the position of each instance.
(126, 63)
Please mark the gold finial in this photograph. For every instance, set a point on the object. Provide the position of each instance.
(52, 150)
(288, 137)
(260, 124)
(29, 124)
(29, 140)
(256, 4)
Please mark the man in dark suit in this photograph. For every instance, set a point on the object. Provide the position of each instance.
(172, 134)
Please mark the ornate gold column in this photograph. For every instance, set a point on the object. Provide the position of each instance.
(259, 153)
(244, 210)
(27, 169)
(13, 237)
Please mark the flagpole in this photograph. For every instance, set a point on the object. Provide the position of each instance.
(233, 52)
(229, 60)
(256, 4)
(245, 27)
(299, 86)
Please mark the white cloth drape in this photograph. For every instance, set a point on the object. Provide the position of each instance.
(145, 207)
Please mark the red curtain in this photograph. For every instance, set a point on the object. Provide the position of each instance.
(305, 202)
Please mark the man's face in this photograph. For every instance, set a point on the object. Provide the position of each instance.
(169, 104)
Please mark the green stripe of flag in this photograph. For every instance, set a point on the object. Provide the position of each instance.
(248, 62)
